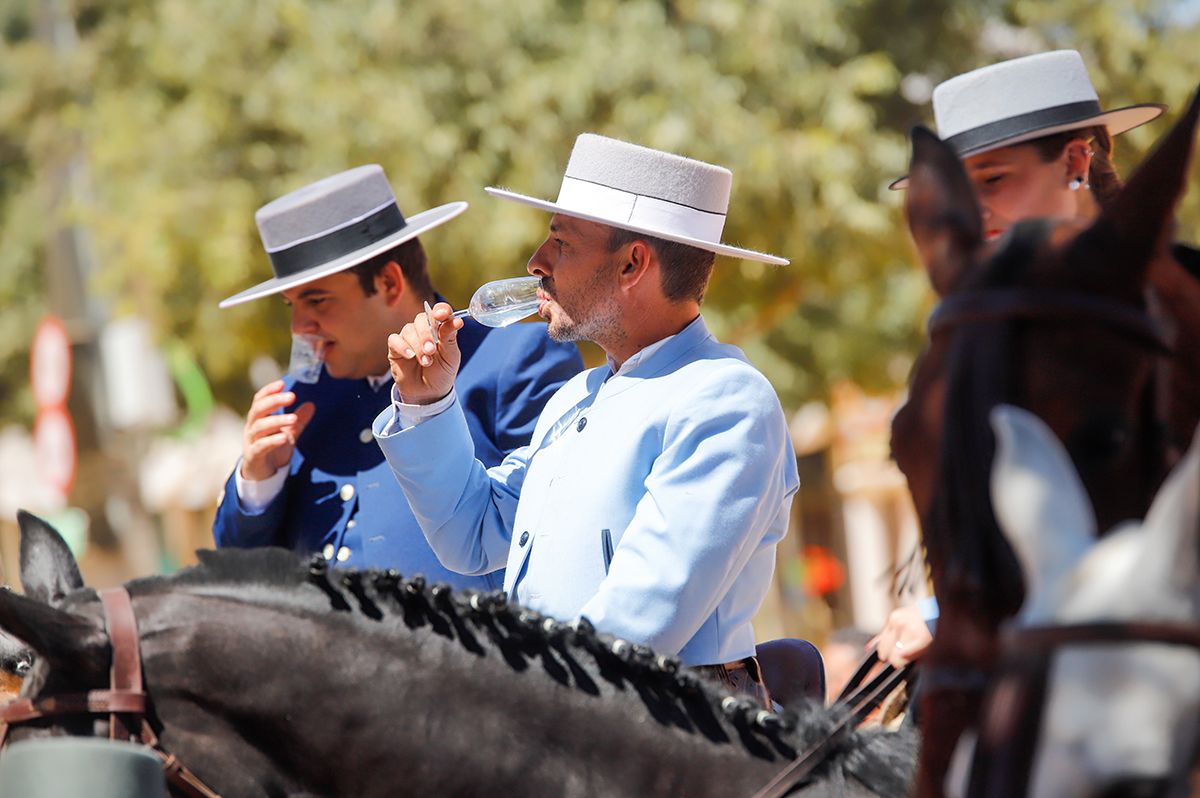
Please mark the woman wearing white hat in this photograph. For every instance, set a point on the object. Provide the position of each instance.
(1033, 137)
(1035, 143)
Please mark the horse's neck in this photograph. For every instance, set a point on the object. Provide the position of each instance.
(397, 706)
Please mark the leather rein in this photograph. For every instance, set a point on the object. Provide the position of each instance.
(124, 701)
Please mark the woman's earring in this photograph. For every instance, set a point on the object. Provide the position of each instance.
(1075, 183)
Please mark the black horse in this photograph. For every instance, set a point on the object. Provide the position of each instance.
(267, 675)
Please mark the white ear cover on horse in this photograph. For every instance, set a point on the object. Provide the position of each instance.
(1041, 506)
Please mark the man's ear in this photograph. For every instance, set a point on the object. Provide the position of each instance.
(390, 282)
(638, 259)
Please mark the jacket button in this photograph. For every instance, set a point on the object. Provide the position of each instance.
(365, 436)
(582, 423)
(524, 538)
(343, 554)
(351, 524)
(347, 492)
(327, 552)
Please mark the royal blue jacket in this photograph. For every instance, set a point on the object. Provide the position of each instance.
(340, 495)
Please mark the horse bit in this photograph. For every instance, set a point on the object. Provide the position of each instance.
(124, 701)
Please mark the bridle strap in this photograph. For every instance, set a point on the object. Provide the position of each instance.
(1004, 304)
(124, 702)
(126, 673)
(1046, 638)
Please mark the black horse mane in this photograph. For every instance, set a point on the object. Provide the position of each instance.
(881, 761)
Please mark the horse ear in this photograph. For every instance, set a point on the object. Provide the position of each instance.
(68, 642)
(1143, 213)
(48, 569)
(1041, 506)
(943, 213)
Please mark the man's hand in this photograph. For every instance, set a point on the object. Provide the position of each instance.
(423, 369)
(905, 637)
(269, 438)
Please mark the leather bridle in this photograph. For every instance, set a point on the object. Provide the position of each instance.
(124, 701)
(1008, 304)
(1012, 712)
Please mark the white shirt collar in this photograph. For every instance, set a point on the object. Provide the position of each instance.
(378, 382)
(647, 351)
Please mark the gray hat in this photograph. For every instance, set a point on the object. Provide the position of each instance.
(80, 767)
(647, 191)
(333, 224)
(1024, 99)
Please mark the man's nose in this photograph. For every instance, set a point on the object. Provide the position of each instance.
(302, 322)
(539, 265)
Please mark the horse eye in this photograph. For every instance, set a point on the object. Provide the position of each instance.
(1099, 439)
(23, 667)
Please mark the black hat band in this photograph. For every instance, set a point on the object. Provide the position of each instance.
(331, 246)
(1021, 124)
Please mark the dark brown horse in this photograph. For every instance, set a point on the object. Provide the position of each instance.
(269, 676)
(1052, 318)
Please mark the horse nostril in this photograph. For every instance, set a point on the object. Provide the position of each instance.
(1136, 787)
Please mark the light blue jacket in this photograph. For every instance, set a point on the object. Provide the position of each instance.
(650, 502)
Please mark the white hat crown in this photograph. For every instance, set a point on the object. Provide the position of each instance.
(325, 206)
(647, 191)
(1055, 82)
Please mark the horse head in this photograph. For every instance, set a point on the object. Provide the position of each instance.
(48, 573)
(1121, 705)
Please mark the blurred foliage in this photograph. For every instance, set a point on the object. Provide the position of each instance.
(192, 113)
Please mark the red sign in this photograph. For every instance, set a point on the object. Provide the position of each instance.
(50, 364)
(54, 448)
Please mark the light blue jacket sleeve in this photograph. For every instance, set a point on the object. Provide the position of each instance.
(702, 537)
(465, 510)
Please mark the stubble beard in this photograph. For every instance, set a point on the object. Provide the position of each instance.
(600, 322)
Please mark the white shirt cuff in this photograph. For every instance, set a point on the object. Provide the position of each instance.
(411, 415)
(254, 495)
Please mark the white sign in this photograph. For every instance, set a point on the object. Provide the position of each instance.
(50, 364)
(54, 448)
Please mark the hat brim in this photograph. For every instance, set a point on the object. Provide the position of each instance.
(720, 249)
(415, 226)
(1118, 121)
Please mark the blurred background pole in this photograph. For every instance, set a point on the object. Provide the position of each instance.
(105, 484)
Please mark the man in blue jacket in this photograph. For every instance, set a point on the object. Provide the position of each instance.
(311, 478)
(655, 489)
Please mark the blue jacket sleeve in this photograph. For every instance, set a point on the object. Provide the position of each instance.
(234, 528)
(465, 510)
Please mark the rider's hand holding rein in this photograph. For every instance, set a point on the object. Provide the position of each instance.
(423, 368)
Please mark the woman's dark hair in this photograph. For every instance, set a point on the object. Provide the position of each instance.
(1102, 175)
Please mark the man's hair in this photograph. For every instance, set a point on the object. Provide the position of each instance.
(410, 256)
(685, 269)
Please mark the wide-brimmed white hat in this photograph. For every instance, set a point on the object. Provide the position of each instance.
(1024, 99)
(333, 224)
(647, 191)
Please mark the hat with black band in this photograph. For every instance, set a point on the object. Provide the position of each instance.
(332, 225)
(1024, 99)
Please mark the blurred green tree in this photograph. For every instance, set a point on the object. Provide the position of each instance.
(192, 113)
